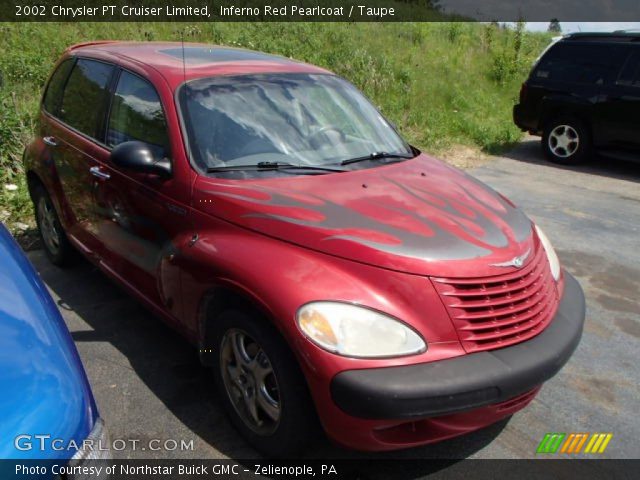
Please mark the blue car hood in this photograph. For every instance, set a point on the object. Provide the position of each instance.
(44, 389)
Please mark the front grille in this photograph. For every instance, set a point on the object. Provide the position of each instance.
(498, 311)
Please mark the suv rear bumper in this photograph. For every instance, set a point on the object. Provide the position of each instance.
(467, 382)
(524, 120)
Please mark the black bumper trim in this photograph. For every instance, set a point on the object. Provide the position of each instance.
(466, 382)
(525, 120)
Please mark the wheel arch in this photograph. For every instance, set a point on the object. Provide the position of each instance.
(33, 182)
(556, 107)
(219, 298)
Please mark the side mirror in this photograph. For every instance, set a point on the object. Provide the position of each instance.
(138, 157)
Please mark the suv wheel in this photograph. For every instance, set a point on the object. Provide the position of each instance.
(261, 386)
(566, 140)
(54, 240)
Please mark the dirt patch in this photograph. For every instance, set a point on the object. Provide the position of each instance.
(581, 264)
(596, 328)
(628, 326)
(599, 390)
(617, 285)
(621, 279)
(28, 239)
(618, 304)
(463, 156)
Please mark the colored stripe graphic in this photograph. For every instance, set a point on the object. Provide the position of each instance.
(543, 444)
(550, 443)
(572, 443)
(598, 443)
(581, 443)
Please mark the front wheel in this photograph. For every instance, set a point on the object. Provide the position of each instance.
(566, 140)
(261, 386)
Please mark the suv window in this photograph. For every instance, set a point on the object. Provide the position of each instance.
(85, 95)
(136, 114)
(53, 94)
(585, 64)
(630, 75)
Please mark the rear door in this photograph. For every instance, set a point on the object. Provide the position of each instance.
(72, 135)
(619, 108)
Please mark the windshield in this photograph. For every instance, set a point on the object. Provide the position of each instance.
(300, 119)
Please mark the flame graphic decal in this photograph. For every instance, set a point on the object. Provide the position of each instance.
(451, 216)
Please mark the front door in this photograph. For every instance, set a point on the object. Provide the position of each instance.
(143, 216)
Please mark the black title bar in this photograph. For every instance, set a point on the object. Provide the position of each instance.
(370, 467)
(320, 10)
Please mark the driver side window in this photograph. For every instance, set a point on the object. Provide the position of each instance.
(136, 114)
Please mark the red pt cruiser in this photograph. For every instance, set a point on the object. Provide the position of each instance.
(324, 268)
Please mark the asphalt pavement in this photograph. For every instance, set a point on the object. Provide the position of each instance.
(149, 385)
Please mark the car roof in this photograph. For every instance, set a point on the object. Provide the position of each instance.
(177, 61)
(619, 36)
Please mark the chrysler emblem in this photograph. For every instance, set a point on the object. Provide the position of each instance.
(517, 262)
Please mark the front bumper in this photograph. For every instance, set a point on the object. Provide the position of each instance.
(467, 382)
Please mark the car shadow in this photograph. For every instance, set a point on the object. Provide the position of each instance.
(529, 151)
(169, 367)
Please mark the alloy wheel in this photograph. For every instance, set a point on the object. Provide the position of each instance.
(564, 141)
(250, 382)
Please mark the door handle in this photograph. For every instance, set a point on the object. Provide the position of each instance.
(51, 141)
(97, 172)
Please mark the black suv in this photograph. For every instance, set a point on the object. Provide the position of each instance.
(583, 94)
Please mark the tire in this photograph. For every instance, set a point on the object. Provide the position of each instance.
(566, 140)
(296, 425)
(52, 236)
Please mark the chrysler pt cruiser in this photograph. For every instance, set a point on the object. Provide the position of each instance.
(327, 271)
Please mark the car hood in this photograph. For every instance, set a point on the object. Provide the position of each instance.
(419, 216)
(44, 387)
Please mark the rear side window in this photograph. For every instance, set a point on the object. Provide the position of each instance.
(85, 96)
(583, 64)
(53, 94)
(136, 114)
(630, 75)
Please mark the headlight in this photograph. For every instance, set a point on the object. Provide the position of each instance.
(355, 331)
(100, 450)
(554, 263)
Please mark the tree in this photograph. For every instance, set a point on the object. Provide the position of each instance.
(554, 26)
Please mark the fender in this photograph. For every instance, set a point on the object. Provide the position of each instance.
(230, 264)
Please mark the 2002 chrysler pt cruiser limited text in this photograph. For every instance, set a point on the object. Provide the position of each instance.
(324, 268)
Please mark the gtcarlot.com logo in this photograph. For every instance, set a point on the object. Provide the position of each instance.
(574, 443)
(47, 442)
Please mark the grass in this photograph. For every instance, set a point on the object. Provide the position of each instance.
(442, 84)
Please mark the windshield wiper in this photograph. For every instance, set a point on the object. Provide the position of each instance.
(375, 156)
(265, 166)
